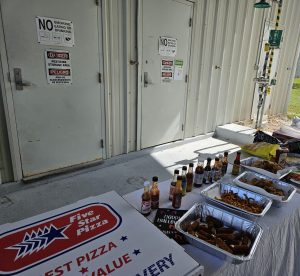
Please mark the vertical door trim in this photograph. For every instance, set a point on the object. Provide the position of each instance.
(9, 106)
(102, 120)
(139, 73)
(106, 74)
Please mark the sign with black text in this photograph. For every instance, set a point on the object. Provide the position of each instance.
(167, 46)
(53, 31)
(58, 67)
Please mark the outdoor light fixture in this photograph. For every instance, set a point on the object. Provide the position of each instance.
(262, 4)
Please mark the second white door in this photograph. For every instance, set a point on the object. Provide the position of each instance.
(165, 63)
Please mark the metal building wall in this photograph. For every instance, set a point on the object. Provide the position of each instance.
(119, 39)
(289, 53)
(226, 43)
(224, 58)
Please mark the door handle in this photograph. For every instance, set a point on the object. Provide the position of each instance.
(146, 81)
(18, 80)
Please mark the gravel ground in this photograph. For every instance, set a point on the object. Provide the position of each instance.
(273, 123)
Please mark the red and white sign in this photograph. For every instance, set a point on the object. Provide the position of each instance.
(95, 236)
(167, 70)
(58, 67)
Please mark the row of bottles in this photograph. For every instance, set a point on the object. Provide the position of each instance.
(150, 196)
(182, 184)
(208, 174)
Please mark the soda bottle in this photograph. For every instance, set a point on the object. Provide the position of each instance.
(177, 195)
(225, 163)
(236, 164)
(184, 181)
(146, 201)
(173, 184)
(190, 178)
(199, 171)
(154, 193)
(207, 172)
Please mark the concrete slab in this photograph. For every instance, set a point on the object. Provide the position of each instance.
(235, 133)
(123, 174)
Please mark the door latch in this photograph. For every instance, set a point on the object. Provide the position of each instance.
(18, 79)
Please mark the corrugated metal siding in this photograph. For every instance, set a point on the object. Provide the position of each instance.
(224, 52)
(289, 53)
(222, 77)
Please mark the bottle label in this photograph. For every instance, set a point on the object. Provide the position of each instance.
(198, 179)
(282, 158)
(224, 169)
(207, 176)
(146, 207)
(177, 200)
(154, 201)
(171, 192)
(235, 169)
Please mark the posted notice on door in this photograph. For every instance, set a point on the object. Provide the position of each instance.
(58, 67)
(167, 70)
(54, 31)
(167, 46)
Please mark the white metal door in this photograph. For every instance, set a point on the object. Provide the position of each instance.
(163, 100)
(273, 74)
(58, 125)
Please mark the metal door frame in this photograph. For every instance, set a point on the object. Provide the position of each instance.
(9, 110)
(140, 68)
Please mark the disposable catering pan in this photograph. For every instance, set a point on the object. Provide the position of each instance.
(216, 189)
(203, 209)
(288, 189)
(246, 164)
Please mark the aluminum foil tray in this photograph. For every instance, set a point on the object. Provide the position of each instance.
(216, 189)
(288, 189)
(203, 209)
(246, 164)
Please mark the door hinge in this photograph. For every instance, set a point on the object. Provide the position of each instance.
(186, 78)
(97, 2)
(190, 22)
(100, 77)
(182, 127)
(101, 144)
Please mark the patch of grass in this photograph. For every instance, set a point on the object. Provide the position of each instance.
(294, 104)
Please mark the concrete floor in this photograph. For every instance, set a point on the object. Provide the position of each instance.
(123, 174)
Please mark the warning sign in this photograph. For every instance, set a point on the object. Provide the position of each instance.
(53, 31)
(58, 67)
(167, 46)
(167, 66)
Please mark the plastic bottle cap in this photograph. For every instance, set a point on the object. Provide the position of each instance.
(176, 171)
(191, 165)
(155, 178)
(217, 159)
(208, 159)
(226, 153)
(184, 168)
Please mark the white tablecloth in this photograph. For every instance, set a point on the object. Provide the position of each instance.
(278, 252)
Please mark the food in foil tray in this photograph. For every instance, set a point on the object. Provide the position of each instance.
(267, 165)
(294, 176)
(247, 204)
(265, 184)
(213, 231)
